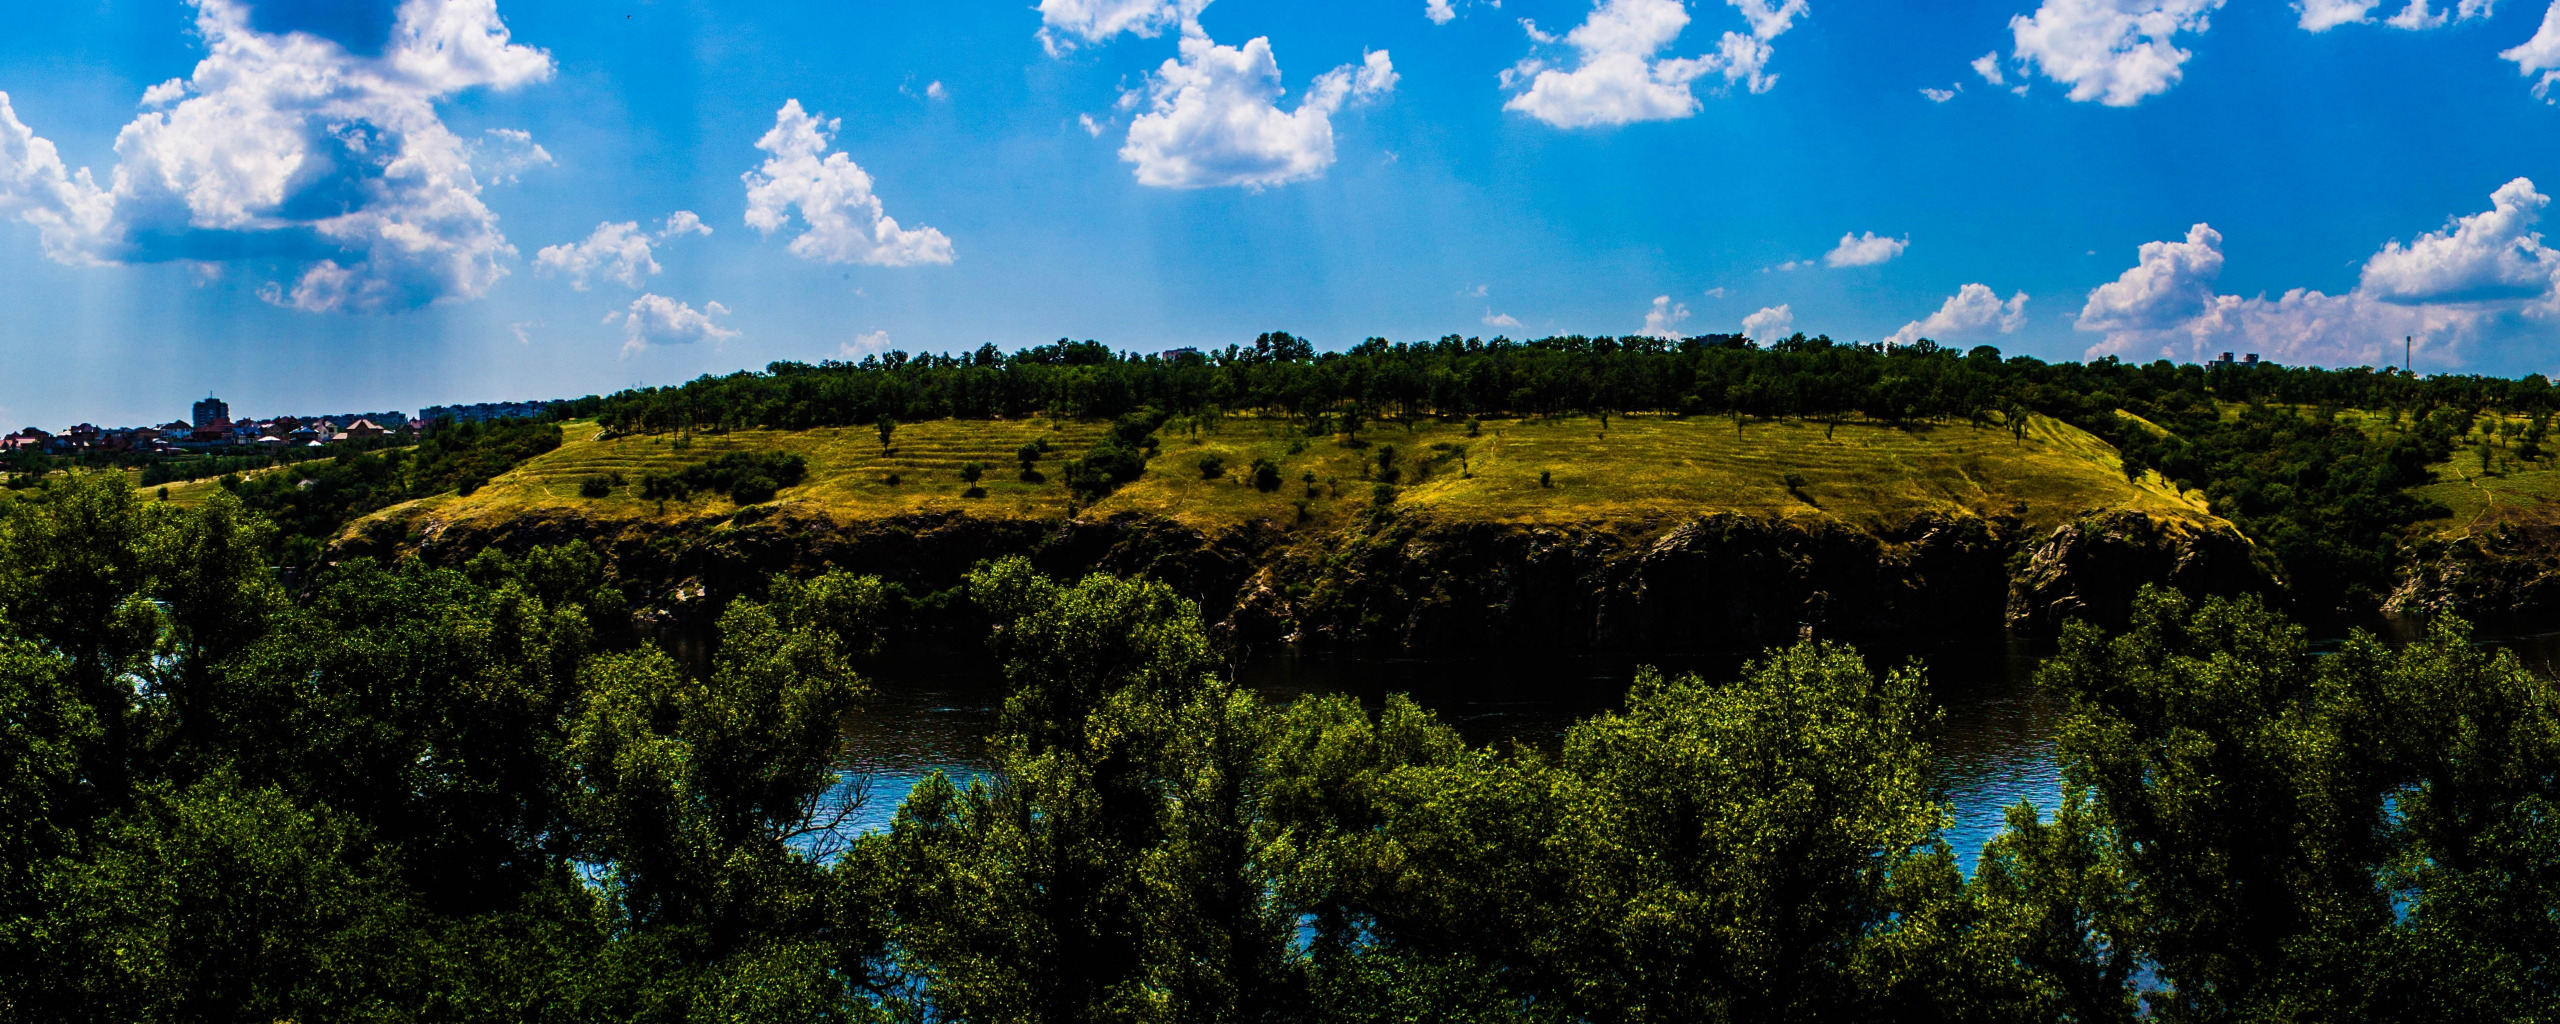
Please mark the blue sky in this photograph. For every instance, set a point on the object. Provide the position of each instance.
(320, 205)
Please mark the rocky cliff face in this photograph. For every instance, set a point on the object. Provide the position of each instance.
(1716, 582)
(2505, 572)
(2091, 569)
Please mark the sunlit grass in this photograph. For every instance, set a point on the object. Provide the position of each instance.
(1641, 468)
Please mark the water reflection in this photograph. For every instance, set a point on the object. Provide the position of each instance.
(932, 713)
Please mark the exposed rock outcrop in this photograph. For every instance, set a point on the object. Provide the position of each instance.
(1716, 582)
(2505, 572)
(2091, 569)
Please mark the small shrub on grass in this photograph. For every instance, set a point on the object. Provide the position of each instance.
(1266, 475)
(1546, 478)
(1212, 467)
(752, 489)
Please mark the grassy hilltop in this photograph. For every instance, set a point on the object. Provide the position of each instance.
(1639, 468)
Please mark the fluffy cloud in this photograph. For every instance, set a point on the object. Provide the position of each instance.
(2491, 255)
(1864, 251)
(2113, 51)
(1619, 77)
(868, 344)
(833, 195)
(503, 154)
(654, 319)
(616, 252)
(1663, 320)
(291, 148)
(1066, 23)
(1439, 11)
(1493, 319)
(2169, 283)
(1769, 324)
(70, 213)
(2483, 277)
(1939, 95)
(1213, 117)
(2540, 53)
(2323, 15)
(1973, 309)
(1988, 66)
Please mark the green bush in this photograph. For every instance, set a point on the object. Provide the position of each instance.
(746, 477)
(752, 489)
(1266, 475)
(1212, 467)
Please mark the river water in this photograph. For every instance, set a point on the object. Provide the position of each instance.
(1996, 749)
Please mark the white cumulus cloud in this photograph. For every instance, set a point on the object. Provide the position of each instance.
(1663, 320)
(2491, 255)
(832, 194)
(616, 252)
(502, 155)
(1619, 76)
(2169, 283)
(1770, 324)
(289, 149)
(1213, 117)
(1066, 23)
(2540, 53)
(1973, 310)
(871, 343)
(655, 319)
(2483, 278)
(1988, 66)
(1864, 250)
(1493, 319)
(2323, 15)
(2113, 51)
(1439, 11)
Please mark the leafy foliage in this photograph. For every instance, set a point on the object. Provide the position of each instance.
(2326, 496)
(421, 793)
(311, 500)
(748, 478)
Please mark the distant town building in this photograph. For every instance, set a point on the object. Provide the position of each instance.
(210, 411)
(483, 411)
(386, 417)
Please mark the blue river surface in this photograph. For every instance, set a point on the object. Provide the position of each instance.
(1995, 749)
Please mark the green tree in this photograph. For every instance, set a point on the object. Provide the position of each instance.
(1108, 871)
(1738, 848)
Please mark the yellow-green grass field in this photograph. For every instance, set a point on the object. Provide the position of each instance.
(2520, 494)
(1642, 468)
